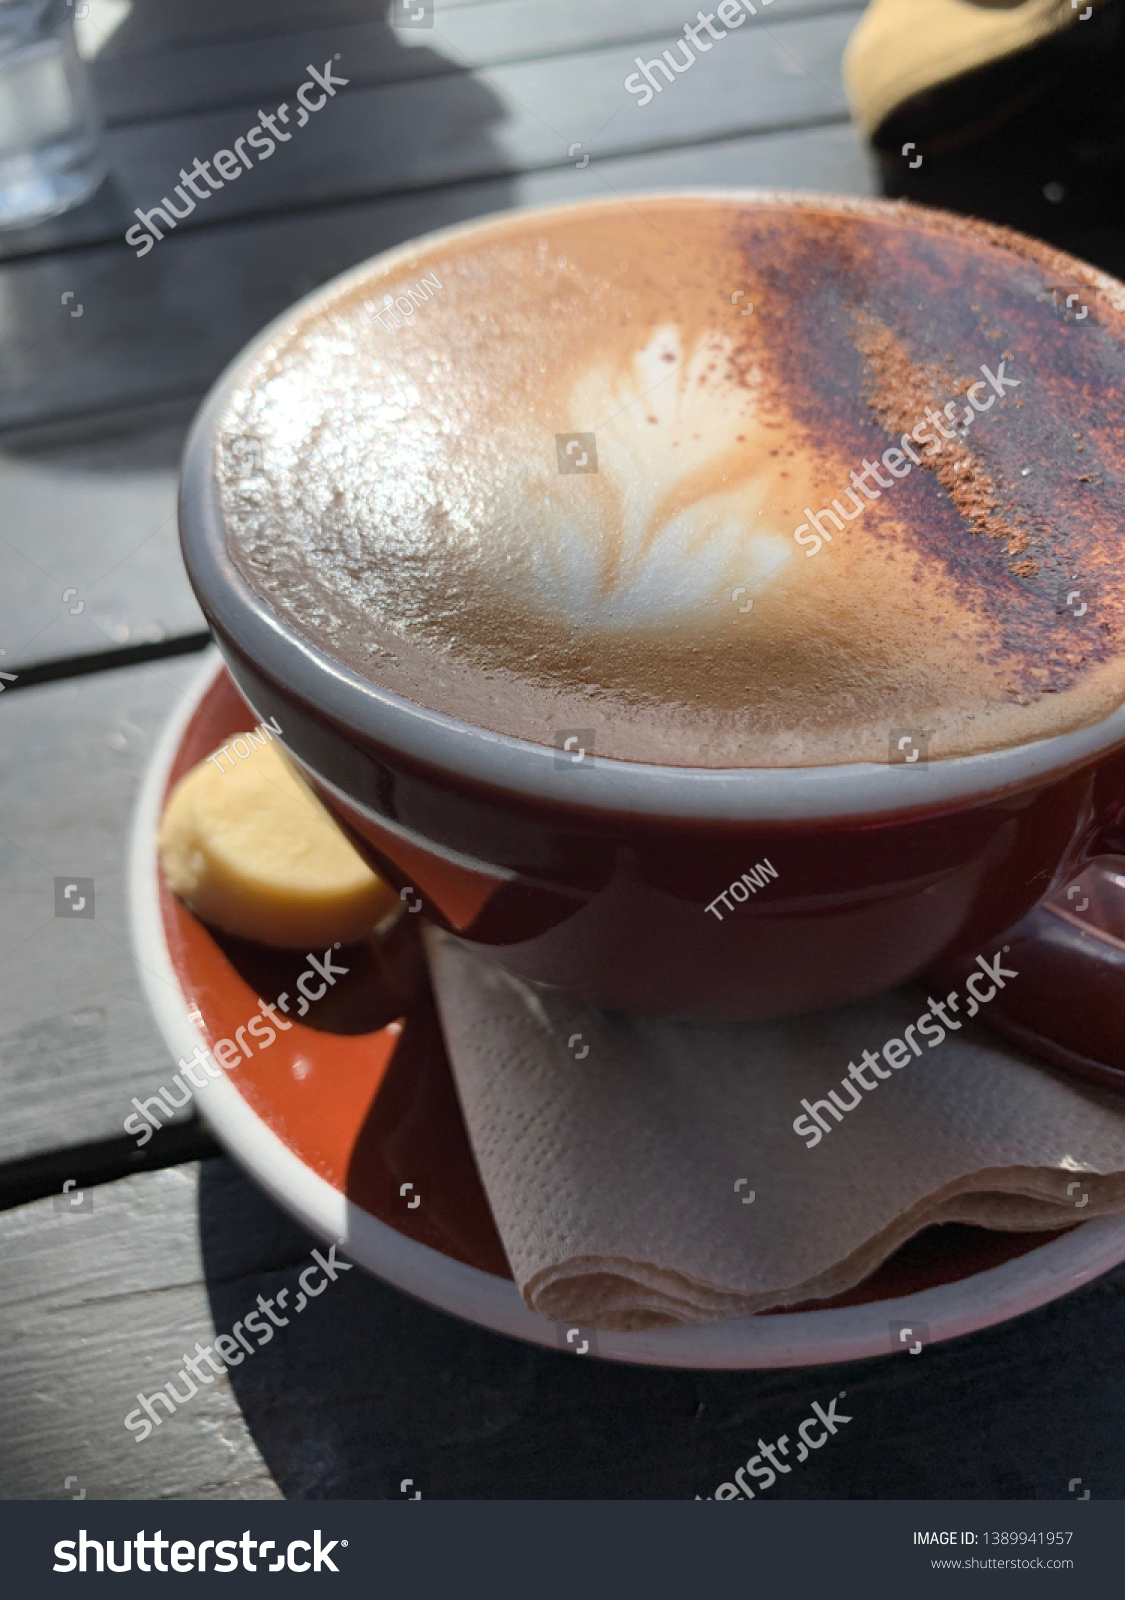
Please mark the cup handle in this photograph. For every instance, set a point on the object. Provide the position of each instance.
(1068, 1004)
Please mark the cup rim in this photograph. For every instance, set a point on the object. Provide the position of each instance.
(530, 771)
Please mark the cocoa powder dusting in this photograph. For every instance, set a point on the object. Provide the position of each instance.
(900, 390)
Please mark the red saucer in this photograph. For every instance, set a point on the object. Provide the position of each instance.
(360, 1095)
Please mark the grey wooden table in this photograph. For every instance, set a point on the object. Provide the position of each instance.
(475, 112)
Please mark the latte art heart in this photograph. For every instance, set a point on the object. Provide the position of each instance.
(664, 530)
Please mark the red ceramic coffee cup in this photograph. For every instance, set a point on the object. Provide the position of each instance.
(692, 893)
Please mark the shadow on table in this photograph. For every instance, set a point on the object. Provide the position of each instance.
(165, 324)
(367, 1389)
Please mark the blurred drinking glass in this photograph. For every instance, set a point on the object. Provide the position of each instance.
(49, 159)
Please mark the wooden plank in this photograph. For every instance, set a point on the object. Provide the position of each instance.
(77, 1041)
(90, 545)
(165, 326)
(483, 35)
(366, 1388)
(513, 118)
(137, 80)
(828, 160)
(467, 125)
(94, 1307)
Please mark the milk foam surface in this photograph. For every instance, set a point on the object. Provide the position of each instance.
(404, 508)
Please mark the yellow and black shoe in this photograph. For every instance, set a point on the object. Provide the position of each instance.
(1008, 109)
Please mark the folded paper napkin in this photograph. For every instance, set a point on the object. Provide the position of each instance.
(618, 1153)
